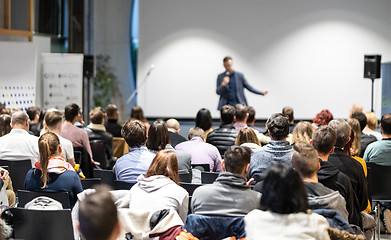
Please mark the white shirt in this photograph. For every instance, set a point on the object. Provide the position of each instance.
(19, 145)
(67, 148)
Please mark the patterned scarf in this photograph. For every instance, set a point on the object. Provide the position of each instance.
(57, 165)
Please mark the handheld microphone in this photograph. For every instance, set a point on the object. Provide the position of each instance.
(226, 73)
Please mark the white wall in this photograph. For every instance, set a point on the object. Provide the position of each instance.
(309, 53)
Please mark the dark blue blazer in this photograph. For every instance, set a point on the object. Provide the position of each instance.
(241, 83)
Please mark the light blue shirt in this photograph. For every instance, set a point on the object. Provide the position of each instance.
(379, 152)
(131, 165)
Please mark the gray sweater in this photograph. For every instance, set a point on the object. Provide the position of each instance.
(227, 196)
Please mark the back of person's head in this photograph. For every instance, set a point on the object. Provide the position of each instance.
(173, 124)
(204, 119)
(355, 141)
(227, 114)
(247, 135)
(196, 132)
(135, 133)
(323, 118)
(278, 126)
(236, 159)
(71, 111)
(97, 116)
(356, 108)
(305, 159)
(112, 111)
(52, 118)
(98, 217)
(32, 112)
(362, 119)
(48, 145)
(240, 112)
(302, 132)
(158, 136)
(283, 191)
(137, 113)
(288, 111)
(19, 118)
(371, 120)
(251, 114)
(5, 124)
(324, 139)
(165, 163)
(386, 123)
(342, 129)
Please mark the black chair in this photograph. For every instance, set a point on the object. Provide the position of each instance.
(25, 196)
(32, 224)
(185, 177)
(98, 148)
(88, 183)
(121, 185)
(378, 188)
(106, 176)
(208, 177)
(190, 187)
(83, 158)
(202, 167)
(17, 171)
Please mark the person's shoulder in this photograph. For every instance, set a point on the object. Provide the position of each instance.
(204, 190)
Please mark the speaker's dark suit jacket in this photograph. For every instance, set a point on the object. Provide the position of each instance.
(241, 83)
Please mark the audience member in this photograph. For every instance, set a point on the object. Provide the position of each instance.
(53, 121)
(323, 140)
(159, 188)
(225, 135)
(173, 131)
(77, 136)
(285, 199)
(356, 108)
(305, 162)
(19, 144)
(137, 113)
(35, 125)
(9, 190)
(322, 118)
(112, 117)
(52, 173)
(96, 131)
(204, 121)
(289, 113)
(5, 124)
(98, 217)
(348, 165)
(159, 139)
(366, 139)
(241, 116)
(302, 132)
(371, 126)
(248, 138)
(278, 150)
(128, 167)
(200, 151)
(229, 195)
(251, 120)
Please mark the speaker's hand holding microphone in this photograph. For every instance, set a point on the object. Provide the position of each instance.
(226, 79)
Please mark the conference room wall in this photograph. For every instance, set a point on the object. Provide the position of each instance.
(309, 53)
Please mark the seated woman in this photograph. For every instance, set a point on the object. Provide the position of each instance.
(137, 113)
(247, 138)
(285, 217)
(158, 189)
(52, 173)
(302, 132)
(204, 120)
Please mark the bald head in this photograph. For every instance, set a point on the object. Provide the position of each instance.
(19, 120)
(173, 124)
(355, 109)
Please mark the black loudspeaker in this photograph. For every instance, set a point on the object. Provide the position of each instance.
(88, 66)
(372, 65)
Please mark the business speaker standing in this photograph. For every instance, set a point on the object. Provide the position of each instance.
(231, 84)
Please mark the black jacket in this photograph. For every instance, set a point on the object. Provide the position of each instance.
(223, 137)
(113, 127)
(107, 138)
(176, 138)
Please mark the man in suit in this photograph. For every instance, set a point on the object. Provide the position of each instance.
(231, 84)
(173, 130)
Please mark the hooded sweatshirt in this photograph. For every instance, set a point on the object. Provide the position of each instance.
(159, 192)
(227, 196)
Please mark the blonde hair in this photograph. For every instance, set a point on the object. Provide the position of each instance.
(355, 147)
(48, 146)
(247, 135)
(303, 132)
(371, 120)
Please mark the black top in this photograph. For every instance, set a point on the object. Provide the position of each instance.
(366, 139)
(176, 138)
(223, 137)
(113, 127)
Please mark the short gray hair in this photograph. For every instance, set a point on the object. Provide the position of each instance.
(342, 128)
(19, 117)
(196, 132)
